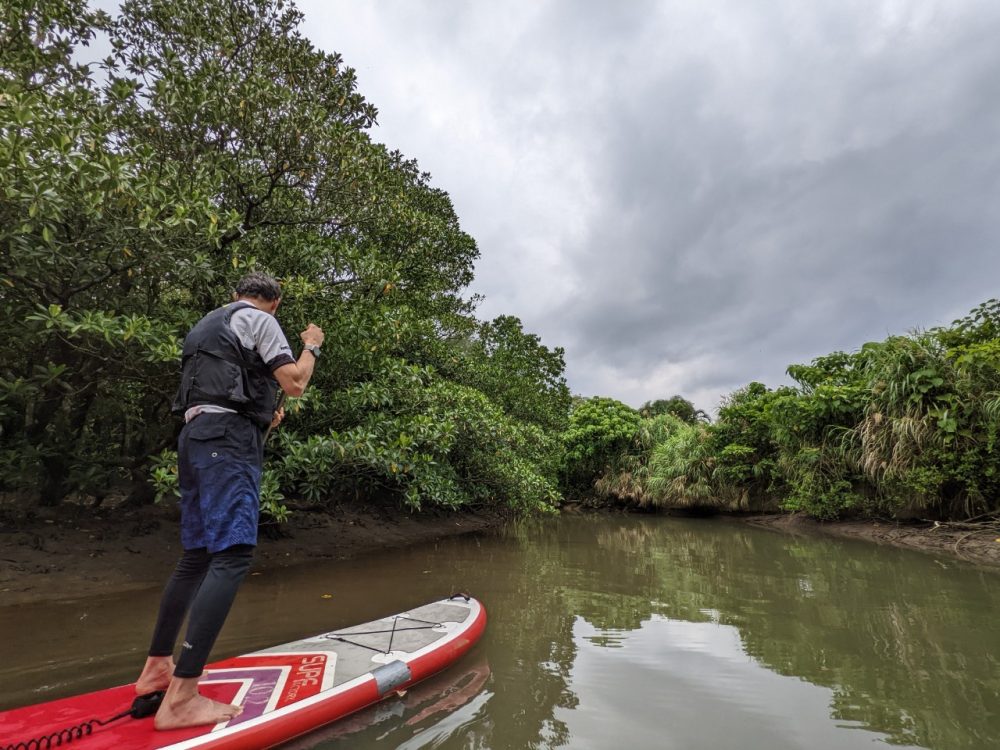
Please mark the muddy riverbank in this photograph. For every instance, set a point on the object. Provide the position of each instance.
(976, 544)
(73, 551)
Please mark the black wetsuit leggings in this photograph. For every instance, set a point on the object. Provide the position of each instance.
(206, 584)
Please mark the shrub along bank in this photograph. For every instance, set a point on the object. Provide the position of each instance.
(903, 427)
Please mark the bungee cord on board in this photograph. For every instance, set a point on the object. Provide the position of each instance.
(428, 625)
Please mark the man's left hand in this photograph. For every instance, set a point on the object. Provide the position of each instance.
(278, 416)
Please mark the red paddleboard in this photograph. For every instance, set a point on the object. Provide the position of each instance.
(285, 691)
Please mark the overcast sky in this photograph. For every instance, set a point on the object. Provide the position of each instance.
(690, 195)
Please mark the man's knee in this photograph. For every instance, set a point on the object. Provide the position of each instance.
(193, 563)
(235, 560)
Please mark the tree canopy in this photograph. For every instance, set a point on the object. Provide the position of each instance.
(213, 140)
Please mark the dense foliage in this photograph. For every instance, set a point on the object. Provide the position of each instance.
(901, 427)
(599, 430)
(213, 140)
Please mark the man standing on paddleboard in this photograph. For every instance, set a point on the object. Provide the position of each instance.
(234, 361)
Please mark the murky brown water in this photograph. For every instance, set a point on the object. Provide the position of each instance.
(611, 632)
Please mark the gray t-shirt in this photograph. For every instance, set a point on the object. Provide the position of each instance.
(259, 332)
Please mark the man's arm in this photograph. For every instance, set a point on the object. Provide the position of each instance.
(294, 376)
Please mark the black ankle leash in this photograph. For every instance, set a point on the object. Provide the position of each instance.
(142, 707)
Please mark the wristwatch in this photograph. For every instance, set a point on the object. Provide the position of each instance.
(313, 349)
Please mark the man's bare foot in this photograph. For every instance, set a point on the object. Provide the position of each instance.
(155, 674)
(184, 706)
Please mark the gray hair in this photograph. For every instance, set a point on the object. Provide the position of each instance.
(259, 285)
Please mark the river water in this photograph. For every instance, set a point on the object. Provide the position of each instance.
(618, 632)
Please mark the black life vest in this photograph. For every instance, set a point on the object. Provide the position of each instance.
(217, 369)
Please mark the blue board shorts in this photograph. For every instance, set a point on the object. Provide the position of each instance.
(219, 462)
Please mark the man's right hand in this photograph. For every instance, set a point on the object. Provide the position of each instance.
(294, 377)
(312, 336)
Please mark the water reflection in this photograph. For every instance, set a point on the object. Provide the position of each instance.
(436, 709)
(906, 643)
(664, 633)
(625, 631)
(691, 685)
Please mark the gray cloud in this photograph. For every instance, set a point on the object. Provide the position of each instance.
(690, 196)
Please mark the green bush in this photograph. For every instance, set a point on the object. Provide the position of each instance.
(599, 430)
(902, 427)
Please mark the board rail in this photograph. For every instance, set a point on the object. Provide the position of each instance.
(286, 691)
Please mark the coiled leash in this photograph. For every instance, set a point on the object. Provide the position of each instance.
(142, 707)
